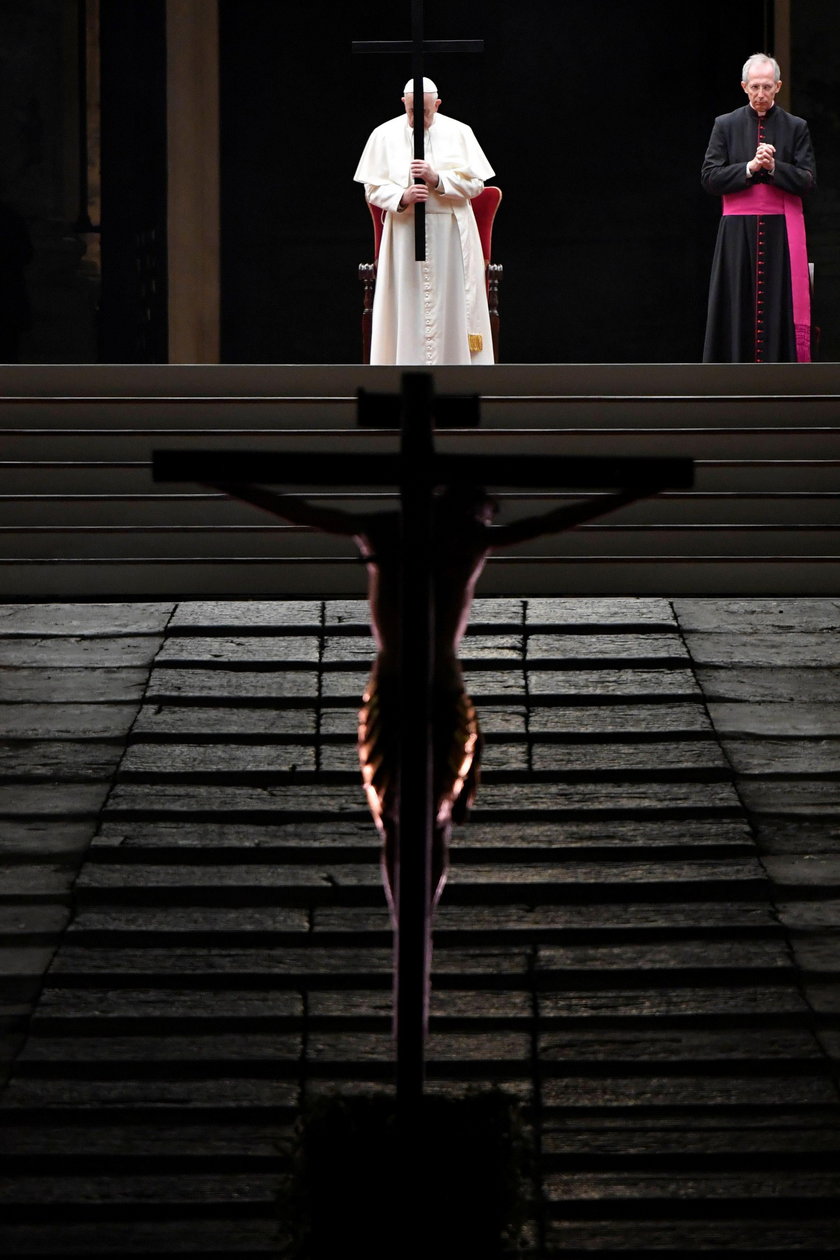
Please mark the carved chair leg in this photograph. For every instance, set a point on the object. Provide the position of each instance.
(494, 275)
(367, 275)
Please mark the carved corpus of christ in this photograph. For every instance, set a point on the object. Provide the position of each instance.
(462, 537)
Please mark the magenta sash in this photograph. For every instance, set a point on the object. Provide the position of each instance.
(767, 199)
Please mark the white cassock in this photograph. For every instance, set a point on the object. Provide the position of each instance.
(433, 311)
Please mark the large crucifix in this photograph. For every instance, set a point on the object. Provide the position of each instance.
(423, 564)
(417, 46)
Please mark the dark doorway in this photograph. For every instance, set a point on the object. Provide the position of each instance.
(133, 327)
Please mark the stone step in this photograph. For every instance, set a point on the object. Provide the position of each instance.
(650, 971)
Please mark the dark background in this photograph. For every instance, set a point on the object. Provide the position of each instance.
(595, 115)
(133, 327)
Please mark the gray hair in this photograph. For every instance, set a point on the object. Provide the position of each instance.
(745, 73)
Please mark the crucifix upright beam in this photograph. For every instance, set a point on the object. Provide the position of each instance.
(416, 47)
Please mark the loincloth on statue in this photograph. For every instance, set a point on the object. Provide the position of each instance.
(456, 750)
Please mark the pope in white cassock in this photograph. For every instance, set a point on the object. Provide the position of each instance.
(433, 311)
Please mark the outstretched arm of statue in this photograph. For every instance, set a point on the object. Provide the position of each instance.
(565, 517)
(294, 509)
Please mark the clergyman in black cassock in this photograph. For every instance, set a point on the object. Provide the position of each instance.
(761, 162)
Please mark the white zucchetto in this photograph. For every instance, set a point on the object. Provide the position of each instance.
(428, 86)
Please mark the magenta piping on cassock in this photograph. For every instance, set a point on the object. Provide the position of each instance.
(765, 199)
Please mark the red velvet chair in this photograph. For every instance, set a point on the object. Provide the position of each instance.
(484, 207)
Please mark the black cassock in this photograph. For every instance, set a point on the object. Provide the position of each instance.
(750, 317)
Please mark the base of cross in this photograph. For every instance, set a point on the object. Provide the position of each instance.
(457, 1184)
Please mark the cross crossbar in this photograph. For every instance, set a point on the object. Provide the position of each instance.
(408, 46)
(566, 472)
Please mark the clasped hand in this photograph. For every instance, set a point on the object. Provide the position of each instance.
(765, 158)
(419, 169)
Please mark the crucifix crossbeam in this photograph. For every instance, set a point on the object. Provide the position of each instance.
(416, 470)
(407, 45)
(416, 47)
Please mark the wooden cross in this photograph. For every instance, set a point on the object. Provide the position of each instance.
(417, 470)
(417, 46)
